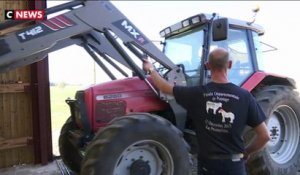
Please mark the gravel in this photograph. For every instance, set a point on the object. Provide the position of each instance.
(194, 164)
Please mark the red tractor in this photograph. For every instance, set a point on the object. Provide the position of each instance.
(127, 127)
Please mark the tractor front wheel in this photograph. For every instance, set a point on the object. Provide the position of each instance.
(68, 152)
(138, 144)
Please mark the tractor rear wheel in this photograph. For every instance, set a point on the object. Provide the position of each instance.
(68, 152)
(137, 144)
(282, 154)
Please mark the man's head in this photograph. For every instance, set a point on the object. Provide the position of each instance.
(218, 59)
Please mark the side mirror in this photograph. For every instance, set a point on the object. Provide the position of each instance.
(220, 29)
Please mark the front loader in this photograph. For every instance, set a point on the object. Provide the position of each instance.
(128, 127)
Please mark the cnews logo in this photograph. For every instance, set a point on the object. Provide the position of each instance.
(24, 14)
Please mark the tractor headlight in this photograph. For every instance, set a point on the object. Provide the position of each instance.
(185, 23)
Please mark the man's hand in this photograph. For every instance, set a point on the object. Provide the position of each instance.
(159, 82)
(246, 156)
(261, 139)
(147, 66)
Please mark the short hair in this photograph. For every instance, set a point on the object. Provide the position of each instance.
(218, 61)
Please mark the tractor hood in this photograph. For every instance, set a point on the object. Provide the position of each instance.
(117, 86)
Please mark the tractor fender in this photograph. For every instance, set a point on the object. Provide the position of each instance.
(260, 79)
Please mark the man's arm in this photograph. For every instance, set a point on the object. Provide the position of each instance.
(262, 137)
(159, 82)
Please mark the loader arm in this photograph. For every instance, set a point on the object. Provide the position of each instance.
(99, 27)
(95, 18)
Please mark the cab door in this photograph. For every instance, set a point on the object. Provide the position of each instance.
(239, 48)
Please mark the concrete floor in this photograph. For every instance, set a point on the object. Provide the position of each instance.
(49, 169)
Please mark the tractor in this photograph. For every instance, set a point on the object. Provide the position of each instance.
(128, 127)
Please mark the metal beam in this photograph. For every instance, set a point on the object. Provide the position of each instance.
(41, 106)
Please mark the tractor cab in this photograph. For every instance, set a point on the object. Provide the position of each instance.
(188, 42)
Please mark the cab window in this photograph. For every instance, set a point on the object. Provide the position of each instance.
(238, 48)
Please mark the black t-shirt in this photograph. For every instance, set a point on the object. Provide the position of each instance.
(220, 113)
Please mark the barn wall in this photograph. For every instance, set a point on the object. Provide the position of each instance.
(21, 116)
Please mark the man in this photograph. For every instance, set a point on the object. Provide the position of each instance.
(220, 111)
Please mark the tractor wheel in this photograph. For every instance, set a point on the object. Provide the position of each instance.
(68, 152)
(282, 154)
(137, 144)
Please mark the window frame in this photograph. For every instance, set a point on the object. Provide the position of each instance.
(250, 48)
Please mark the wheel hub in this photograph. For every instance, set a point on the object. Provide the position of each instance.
(145, 157)
(275, 130)
(140, 167)
(284, 129)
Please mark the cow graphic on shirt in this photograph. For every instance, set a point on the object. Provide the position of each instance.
(213, 105)
(225, 115)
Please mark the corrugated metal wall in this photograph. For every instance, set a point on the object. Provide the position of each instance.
(22, 118)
